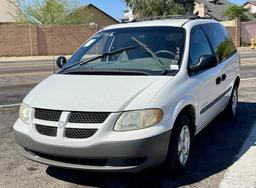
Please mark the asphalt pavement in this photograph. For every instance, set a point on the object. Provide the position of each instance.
(215, 151)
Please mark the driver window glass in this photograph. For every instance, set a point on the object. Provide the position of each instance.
(198, 45)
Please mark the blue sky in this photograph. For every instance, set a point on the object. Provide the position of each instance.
(115, 8)
(238, 2)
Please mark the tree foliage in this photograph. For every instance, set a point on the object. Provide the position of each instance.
(43, 11)
(237, 11)
(148, 8)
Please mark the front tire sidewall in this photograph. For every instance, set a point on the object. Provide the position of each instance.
(172, 164)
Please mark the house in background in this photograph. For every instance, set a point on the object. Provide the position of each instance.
(90, 14)
(203, 8)
(5, 15)
(251, 6)
(128, 15)
(212, 8)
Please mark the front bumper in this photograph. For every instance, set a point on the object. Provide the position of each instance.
(118, 155)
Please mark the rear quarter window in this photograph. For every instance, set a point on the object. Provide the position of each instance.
(220, 40)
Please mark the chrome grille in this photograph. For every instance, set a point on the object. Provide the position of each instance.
(46, 130)
(88, 117)
(79, 133)
(48, 115)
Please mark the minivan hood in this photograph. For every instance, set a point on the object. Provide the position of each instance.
(95, 92)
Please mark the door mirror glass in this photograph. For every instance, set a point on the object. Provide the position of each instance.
(61, 61)
(205, 62)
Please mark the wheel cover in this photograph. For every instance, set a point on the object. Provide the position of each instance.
(234, 101)
(184, 145)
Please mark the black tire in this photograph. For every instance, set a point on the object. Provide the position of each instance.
(172, 164)
(229, 110)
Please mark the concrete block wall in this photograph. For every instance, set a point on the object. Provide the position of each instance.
(234, 29)
(29, 40)
(16, 40)
(232, 32)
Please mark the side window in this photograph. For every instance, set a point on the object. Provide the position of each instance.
(220, 40)
(198, 45)
(229, 45)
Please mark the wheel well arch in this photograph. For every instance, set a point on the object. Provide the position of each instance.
(190, 111)
(237, 81)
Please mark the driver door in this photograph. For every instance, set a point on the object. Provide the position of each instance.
(207, 88)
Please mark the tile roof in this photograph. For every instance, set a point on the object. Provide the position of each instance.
(217, 10)
(252, 2)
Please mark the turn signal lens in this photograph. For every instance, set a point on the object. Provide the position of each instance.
(24, 113)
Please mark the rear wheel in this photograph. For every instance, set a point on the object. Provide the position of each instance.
(231, 108)
(179, 147)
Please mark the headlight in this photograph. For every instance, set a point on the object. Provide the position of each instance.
(24, 113)
(139, 119)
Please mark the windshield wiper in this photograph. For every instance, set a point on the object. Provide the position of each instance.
(147, 49)
(98, 57)
(110, 72)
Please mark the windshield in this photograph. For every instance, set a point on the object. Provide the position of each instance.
(153, 50)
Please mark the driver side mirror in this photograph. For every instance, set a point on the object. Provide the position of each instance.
(205, 62)
(61, 61)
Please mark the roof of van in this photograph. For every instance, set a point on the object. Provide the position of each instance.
(158, 22)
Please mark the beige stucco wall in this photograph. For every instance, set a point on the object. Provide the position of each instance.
(200, 9)
(5, 9)
(229, 23)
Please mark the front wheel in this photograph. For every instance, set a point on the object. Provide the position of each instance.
(179, 147)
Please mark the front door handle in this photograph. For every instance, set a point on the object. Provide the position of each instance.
(218, 80)
(223, 77)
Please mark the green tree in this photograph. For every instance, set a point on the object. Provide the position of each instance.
(252, 16)
(148, 8)
(237, 11)
(43, 11)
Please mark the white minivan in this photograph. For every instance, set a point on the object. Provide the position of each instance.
(132, 97)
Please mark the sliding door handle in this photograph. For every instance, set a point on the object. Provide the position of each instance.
(218, 80)
(223, 77)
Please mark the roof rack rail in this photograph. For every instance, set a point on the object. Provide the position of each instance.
(190, 17)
